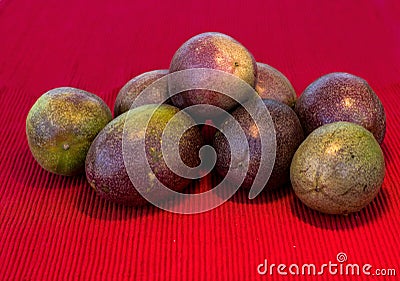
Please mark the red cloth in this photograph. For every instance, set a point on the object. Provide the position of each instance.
(56, 228)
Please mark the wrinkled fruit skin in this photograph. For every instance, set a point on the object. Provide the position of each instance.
(215, 51)
(289, 135)
(105, 167)
(338, 169)
(272, 84)
(131, 90)
(60, 127)
(341, 97)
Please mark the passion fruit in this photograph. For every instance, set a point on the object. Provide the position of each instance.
(61, 126)
(338, 169)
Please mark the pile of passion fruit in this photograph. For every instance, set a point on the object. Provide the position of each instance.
(327, 140)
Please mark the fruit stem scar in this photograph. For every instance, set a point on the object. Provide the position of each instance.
(65, 146)
(236, 63)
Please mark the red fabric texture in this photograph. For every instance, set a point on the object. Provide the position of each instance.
(56, 228)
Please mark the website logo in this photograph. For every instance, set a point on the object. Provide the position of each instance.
(211, 80)
(340, 266)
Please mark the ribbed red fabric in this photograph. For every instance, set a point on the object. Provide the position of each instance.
(56, 228)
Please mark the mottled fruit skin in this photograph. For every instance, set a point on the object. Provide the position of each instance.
(338, 169)
(105, 168)
(341, 97)
(289, 135)
(60, 127)
(215, 51)
(272, 84)
(131, 90)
